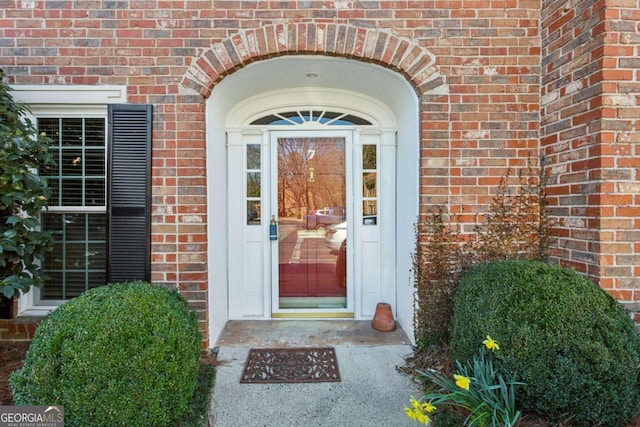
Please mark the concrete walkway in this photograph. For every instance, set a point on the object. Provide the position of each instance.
(371, 391)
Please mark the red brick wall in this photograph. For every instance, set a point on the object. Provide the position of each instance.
(487, 117)
(489, 53)
(620, 225)
(570, 126)
(589, 133)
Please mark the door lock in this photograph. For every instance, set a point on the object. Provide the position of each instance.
(273, 228)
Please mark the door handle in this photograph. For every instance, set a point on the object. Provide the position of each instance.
(273, 228)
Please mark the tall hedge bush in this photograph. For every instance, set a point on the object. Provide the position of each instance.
(118, 355)
(573, 345)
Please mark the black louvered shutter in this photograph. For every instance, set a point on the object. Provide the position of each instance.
(129, 192)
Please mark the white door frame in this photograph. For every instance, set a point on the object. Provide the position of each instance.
(373, 284)
(371, 255)
(351, 202)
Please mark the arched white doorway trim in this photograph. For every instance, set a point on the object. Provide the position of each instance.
(311, 98)
(368, 91)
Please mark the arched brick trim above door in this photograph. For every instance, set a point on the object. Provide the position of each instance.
(369, 45)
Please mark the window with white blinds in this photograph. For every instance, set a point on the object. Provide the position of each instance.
(77, 210)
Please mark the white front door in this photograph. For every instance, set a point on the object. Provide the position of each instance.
(311, 205)
(311, 221)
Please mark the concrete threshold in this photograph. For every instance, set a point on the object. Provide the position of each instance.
(301, 333)
(372, 392)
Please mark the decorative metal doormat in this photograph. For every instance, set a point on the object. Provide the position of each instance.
(291, 365)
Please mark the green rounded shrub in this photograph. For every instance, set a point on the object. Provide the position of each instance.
(118, 355)
(573, 345)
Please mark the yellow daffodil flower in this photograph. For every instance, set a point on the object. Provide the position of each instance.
(417, 416)
(410, 413)
(491, 344)
(414, 402)
(462, 381)
(428, 407)
(423, 419)
(416, 412)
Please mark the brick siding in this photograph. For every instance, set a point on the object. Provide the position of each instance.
(477, 66)
(589, 133)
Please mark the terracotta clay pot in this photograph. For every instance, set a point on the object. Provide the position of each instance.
(383, 319)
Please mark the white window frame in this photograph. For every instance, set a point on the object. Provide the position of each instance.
(63, 101)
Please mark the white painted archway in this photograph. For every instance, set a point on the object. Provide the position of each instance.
(365, 89)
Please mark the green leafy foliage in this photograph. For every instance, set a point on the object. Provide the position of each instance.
(197, 416)
(477, 390)
(23, 194)
(515, 226)
(488, 400)
(573, 345)
(118, 355)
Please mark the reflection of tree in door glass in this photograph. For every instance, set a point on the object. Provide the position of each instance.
(311, 198)
(311, 175)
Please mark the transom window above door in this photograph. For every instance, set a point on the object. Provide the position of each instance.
(313, 117)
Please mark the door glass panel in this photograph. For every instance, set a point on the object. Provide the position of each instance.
(254, 184)
(369, 156)
(253, 156)
(369, 184)
(253, 212)
(312, 223)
